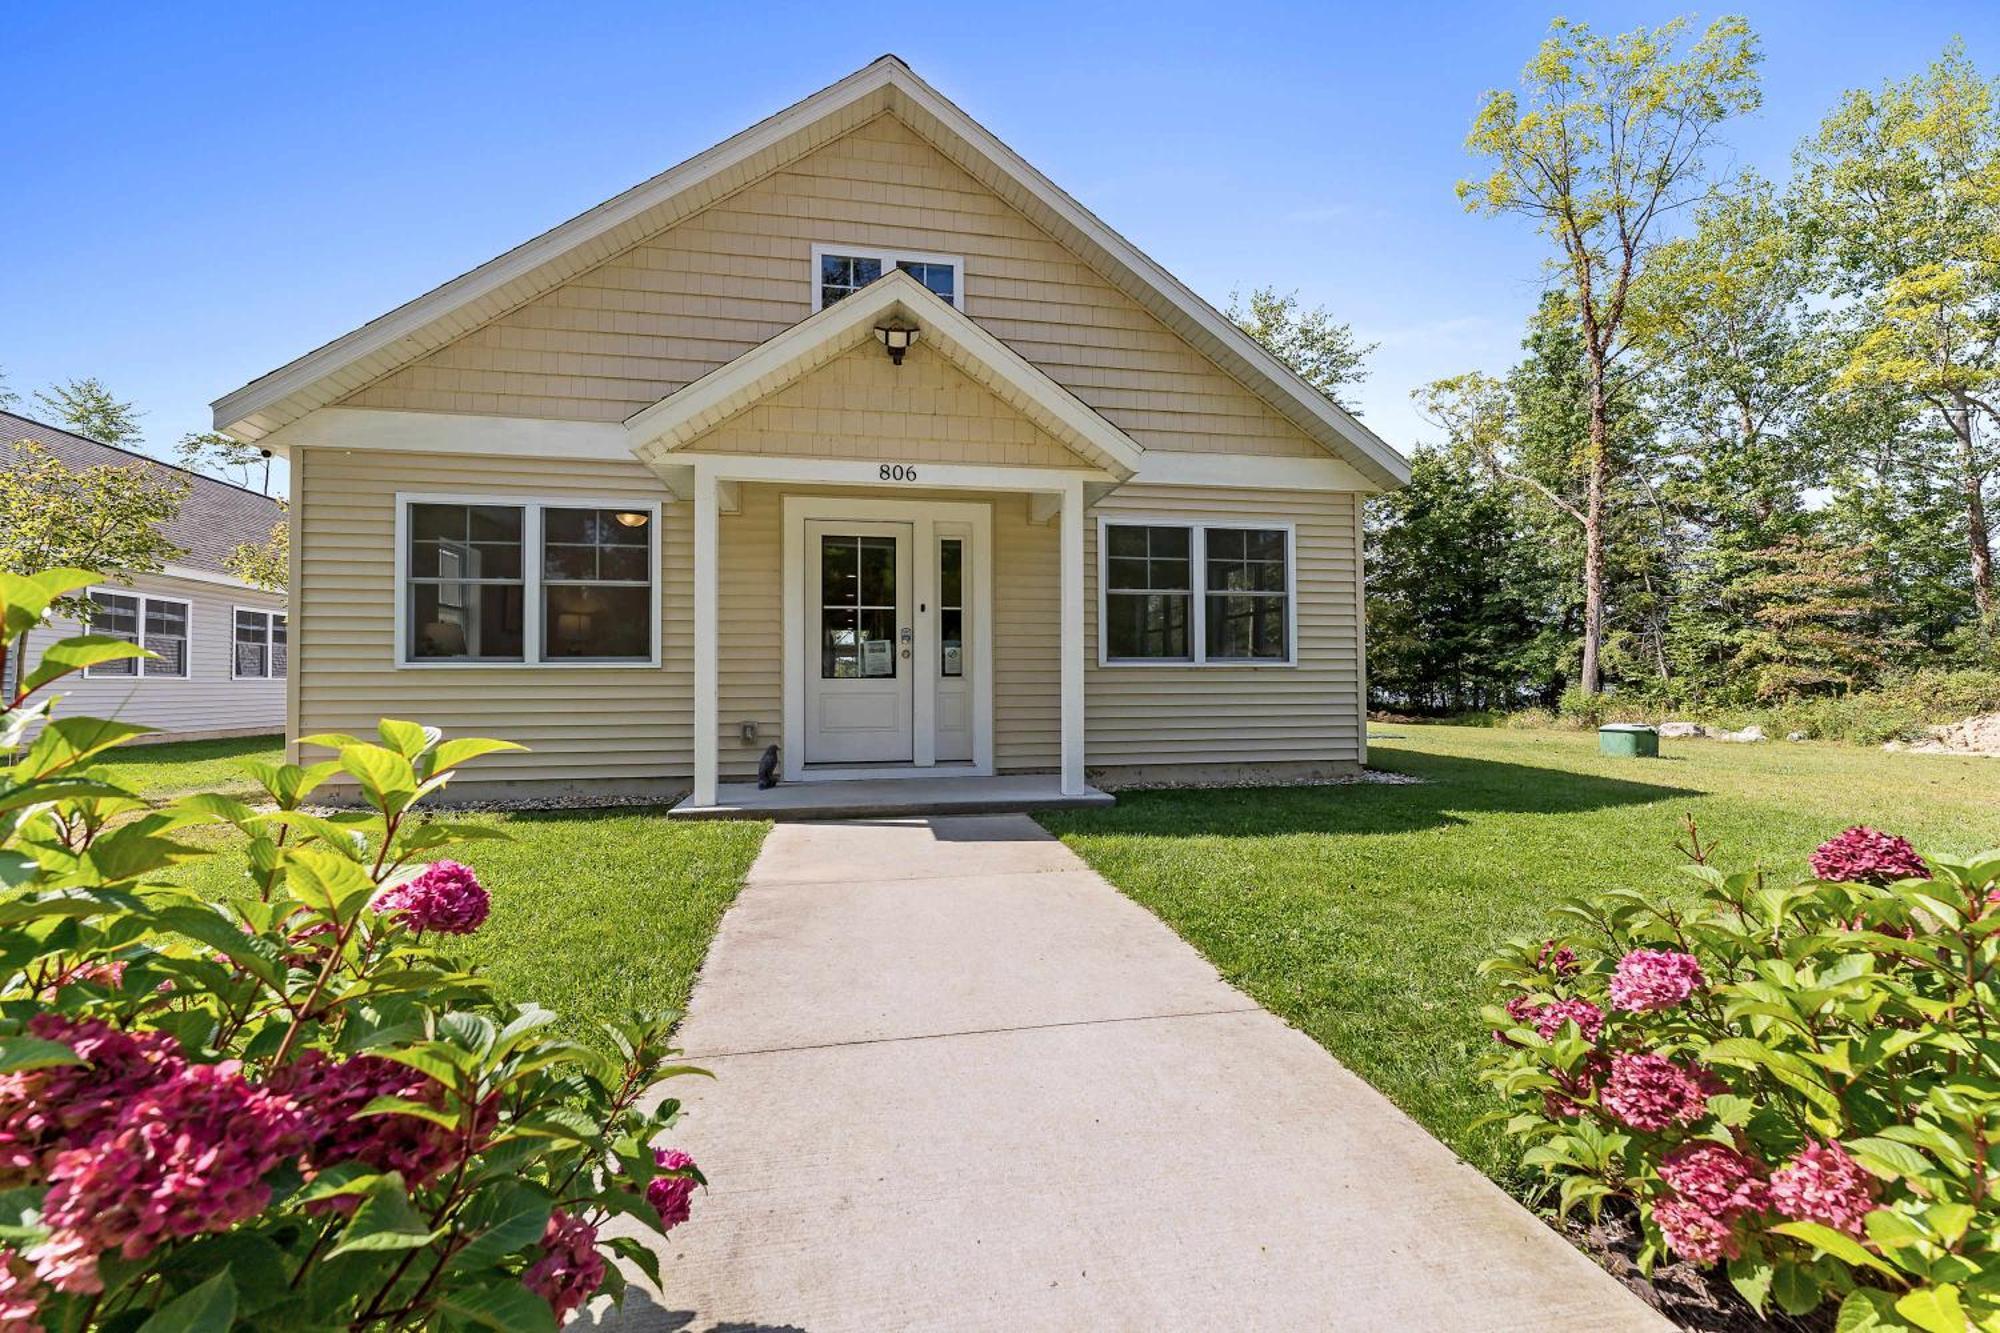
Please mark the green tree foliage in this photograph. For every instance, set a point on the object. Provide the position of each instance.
(1607, 136)
(1319, 347)
(88, 408)
(1817, 619)
(53, 516)
(266, 564)
(218, 454)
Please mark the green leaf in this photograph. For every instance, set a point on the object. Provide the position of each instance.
(1836, 1243)
(505, 1307)
(329, 882)
(409, 739)
(387, 1105)
(1889, 1159)
(208, 1308)
(385, 776)
(1751, 1276)
(453, 753)
(256, 955)
(25, 597)
(1795, 1290)
(70, 655)
(502, 1221)
(23, 1053)
(1867, 1310)
(639, 1254)
(384, 1221)
(1935, 1309)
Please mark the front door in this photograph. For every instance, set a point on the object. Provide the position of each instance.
(860, 678)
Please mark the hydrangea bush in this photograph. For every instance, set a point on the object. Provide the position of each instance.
(1797, 1080)
(290, 1109)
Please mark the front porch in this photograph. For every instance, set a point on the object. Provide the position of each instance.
(891, 798)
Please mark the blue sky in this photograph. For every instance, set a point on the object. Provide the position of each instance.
(199, 193)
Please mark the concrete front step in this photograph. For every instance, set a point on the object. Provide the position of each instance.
(889, 798)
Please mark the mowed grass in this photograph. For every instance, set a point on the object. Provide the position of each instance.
(175, 768)
(595, 912)
(1360, 913)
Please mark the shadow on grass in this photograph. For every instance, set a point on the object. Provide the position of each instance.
(1451, 788)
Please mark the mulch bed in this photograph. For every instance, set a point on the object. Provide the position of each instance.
(1695, 1299)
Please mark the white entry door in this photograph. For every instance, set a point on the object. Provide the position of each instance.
(860, 674)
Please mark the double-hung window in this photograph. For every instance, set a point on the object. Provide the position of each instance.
(839, 271)
(1211, 594)
(260, 649)
(509, 582)
(158, 624)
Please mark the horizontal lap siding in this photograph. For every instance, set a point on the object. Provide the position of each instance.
(578, 722)
(209, 698)
(696, 296)
(1190, 715)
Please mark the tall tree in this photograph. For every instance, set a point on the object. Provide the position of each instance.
(1319, 347)
(266, 564)
(88, 408)
(1607, 136)
(1904, 188)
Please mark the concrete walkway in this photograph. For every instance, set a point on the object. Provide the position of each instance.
(963, 1083)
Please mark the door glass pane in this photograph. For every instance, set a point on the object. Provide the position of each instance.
(951, 607)
(858, 610)
(839, 655)
(878, 571)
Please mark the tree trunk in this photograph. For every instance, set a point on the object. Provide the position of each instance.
(1593, 532)
(1978, 537)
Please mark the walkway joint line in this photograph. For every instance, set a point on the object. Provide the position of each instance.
(968, 1032)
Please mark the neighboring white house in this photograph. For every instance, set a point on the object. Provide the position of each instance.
(854, 435)
(221, 645)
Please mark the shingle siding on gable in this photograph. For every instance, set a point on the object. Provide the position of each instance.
(693, 298)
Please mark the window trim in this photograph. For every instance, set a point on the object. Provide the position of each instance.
(269, 613)
(889, 259)
(142, 669)
(1198, 577)
(531, 581)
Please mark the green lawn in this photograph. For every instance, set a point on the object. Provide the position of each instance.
(595, 912)
(1359, 913)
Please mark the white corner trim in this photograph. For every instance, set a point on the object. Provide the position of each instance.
(1197, 526)
(450, 433)
(531, 581)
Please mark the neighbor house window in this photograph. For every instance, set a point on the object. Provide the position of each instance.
(1202, 594)
(527, 582)
(841, 271)
(260, 648)
(157, 624)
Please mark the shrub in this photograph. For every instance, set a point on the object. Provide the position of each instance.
(1800, 1081)
(290, 1110)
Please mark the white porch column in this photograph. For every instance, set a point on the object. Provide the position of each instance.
(707, 708)
(1072, 639)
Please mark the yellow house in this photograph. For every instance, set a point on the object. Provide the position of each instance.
(853, 435)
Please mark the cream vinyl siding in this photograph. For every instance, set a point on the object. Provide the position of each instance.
(1027, 699)
(668, 310)
(861, 405)
(580, 722)
(1229, 714)
(207, 699)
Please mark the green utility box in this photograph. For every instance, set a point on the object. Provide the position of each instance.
(1629, 740)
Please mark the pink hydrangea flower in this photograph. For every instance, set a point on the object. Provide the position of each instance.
(1655, 979)
(446, 898)
(1863, 855)
(1548, 1019)
(1717, 1179)
(331, 1094)
(187, 1156)
(1823, 1184)
(1695, 1234)
(1567, 1099)
(45, 1110)
(1651, 1092)
(672, 1196)
(1559, 960)
(570, 1268)
(19, 1306)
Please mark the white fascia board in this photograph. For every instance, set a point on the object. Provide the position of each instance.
(689, 412)
(1253, 472)
(453, 433)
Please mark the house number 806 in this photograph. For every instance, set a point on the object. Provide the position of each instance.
(898, 472)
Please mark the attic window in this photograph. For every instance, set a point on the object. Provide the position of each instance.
(840, 271)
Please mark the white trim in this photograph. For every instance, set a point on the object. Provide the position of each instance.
(656, 431)
(707, 638)
(1071, 589)
(1163, 467)
(1361, 631)
(1198, 592)
(142, 666)
(889, 259)
(450, 433)
(868, 473)
(922, 515)
(269, 613)
(531, 580)
(193, 575)
(417, 325)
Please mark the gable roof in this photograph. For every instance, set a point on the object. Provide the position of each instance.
(430, 321)
(694, 409)
(214, 519)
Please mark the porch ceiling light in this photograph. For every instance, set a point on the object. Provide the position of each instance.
(897, 338)
(630, 518)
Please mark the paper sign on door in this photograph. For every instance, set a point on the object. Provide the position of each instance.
(878, 657)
